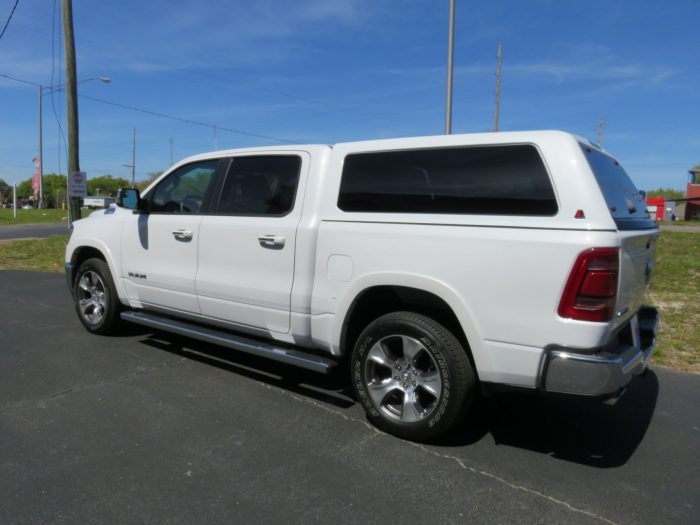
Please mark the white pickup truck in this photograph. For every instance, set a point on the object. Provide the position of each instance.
(436, 266)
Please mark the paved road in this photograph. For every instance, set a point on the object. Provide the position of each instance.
(32, 231)
(157, 429)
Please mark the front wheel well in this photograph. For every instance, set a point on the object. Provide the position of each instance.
(380, 300)
(83, 253)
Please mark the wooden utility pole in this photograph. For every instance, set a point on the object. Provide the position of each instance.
(72, 101)
(498, 87)
(171, 150)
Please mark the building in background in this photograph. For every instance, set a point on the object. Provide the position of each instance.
(692, 207)
(97, 202)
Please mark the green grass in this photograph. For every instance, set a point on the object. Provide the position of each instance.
(676, 292)
(46, 255)
(33, 216)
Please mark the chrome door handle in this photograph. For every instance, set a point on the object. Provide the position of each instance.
(275, 242)
(183, 235)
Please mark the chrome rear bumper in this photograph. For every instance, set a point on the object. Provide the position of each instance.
(606, 372)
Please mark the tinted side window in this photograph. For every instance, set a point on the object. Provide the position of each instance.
(261, 185)
(185, 189)
(492, 180)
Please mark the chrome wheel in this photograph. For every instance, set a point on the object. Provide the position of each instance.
(403, 379)
(92, 297)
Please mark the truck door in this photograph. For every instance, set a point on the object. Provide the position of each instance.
(247, 246)
(159, 248)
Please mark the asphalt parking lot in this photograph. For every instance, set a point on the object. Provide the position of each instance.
(152, 428)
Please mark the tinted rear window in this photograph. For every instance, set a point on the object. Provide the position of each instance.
(491, 180)
(621, 195)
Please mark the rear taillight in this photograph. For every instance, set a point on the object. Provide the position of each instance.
(591, 290)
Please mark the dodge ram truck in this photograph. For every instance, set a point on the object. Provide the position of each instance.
(434, 267)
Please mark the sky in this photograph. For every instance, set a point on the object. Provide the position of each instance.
(267, 72)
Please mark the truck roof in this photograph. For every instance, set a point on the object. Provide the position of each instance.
(500, 137)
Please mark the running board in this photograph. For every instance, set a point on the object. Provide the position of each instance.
(250, 346)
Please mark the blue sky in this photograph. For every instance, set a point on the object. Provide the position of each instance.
(327, 71)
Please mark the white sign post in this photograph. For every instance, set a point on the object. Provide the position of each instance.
(77, 184)
(14, 200)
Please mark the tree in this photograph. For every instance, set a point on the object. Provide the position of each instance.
(24, 189)
(668, 193)
(54, 189)
(5, 190)
(106, 185)
(143, 184)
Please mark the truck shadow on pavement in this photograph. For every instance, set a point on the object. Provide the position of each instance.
(583, 431)
(577, 430)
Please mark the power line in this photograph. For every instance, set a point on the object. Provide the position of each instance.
(9, 18)
(164, 115)
(61, 135)
(187, 121)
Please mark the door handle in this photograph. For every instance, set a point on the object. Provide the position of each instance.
(183, 235)
(275, 242)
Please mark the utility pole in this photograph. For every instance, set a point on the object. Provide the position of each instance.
(216, 139)
(72, 101)
(450, 67)
(133, 160)
(601, 126)
(498, 87)
(41, 150)
(171, 150)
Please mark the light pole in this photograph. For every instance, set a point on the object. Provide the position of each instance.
(45, 90)
(450, 68)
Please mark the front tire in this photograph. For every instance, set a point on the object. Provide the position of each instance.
(95, 297)
(412, 376)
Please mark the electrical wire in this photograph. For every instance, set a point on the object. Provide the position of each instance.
(61, 135)
(8, 19)
(164, 115)
(187, 121)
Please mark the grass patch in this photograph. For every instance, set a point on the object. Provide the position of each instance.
(33, 216)
(46, 255)
(676, 292)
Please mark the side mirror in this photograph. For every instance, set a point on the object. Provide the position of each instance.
(130, 198)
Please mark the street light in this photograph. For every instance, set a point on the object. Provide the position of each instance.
(44, 90)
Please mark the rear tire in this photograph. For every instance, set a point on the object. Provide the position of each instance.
(412, 376)
(95, 297)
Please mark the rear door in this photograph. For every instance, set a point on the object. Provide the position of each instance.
(638, 232)
(159, 248)
(247, 246)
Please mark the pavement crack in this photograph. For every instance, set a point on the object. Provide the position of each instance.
(35, 303)
(459, 461)
(455, 459)
(82, 386)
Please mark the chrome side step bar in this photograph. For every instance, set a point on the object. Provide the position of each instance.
(250, 346)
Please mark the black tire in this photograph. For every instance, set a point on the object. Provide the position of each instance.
(400, 394)
(95, 298)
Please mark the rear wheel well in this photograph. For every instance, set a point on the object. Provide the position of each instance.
(379, 300)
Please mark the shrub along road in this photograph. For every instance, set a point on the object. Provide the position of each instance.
(154, 428)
